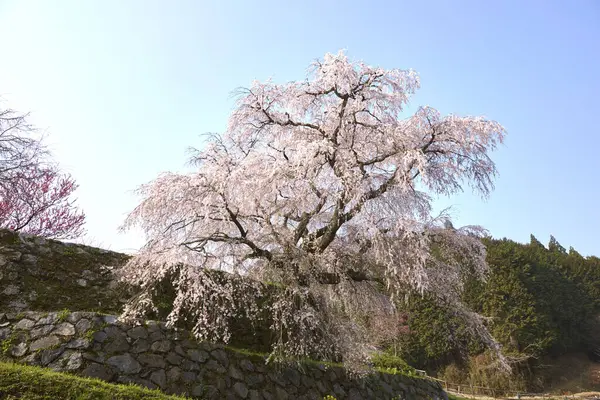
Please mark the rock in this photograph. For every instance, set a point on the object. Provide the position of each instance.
(247, 365)
(41, 331)
(174, 374)
(125, 364)
(159, 378)
(81, 282)
(200, 391)
(152, 360)
(99, 358)
(87, 274)
(254, 395)
(173, 358)
(161, 346)
(215, 366)
(117, 345)
(18, 350)
(24, 324)
(240, 389)
(98, 371)
(235, 373)
(221, 356)
(11, 290)
(44, 343)
(156, 336)
(74, 362)
(339, 390)
(83, 325)
(137, 333)
(109, 319)
(192, 366)
(100, 336)
(292, 375)
(49, 319)
(64, 329)
(255, 380)
(49, 355)
(5, 333)
(79, 343)
(179, 350)
(188, 377)
(140, 346)
(116, 341)
(197, 355)
(136, 381)
(280, 393)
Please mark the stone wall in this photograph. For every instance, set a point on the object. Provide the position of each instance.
(151, 355)
(47, 275)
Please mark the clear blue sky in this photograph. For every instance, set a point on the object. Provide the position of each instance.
(123, 87)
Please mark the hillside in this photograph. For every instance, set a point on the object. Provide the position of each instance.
(34, 383)
(543, 304)
(55, 311)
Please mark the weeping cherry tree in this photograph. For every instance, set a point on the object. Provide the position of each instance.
(323, 187)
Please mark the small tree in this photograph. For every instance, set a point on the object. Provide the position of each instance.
(34, 195)
(319, 186)
(19, 148)
(36, 201)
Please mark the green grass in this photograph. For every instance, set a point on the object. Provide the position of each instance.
(34, 383)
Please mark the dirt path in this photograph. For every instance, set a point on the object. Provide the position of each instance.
(549, 396)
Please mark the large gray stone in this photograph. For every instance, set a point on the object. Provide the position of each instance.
(40, 331)
(5, 333)
(173, 358)
(235, 373)
(138, 332)
(159, 378)
(45, 343)
(152, 360)
(161, 346)
(247, 365)
(83, 325)
(50, 319)
(74, 362)
(125, 364)
(197, 355)
(64, 329)
(221, 356)
(24, 324)
(188, 377)
(79, 343)
(140, 346)
(18, 350)
(11, 290)
(240, 389)
(174, 374)
(49, 355)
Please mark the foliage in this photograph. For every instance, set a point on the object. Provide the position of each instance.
(316, 186)
(391, 364)
(34, 383)
(540, 302)
(34, 195)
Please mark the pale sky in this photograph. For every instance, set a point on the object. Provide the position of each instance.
(122, 88)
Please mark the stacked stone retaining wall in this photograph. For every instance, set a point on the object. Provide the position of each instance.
(151, 355)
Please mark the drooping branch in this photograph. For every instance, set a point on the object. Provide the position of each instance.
(313, 186)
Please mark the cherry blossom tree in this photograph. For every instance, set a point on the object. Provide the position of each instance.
(19, 146)
(34, 195)
(323, 187)
(37, 201)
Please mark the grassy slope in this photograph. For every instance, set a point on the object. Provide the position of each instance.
(33, 383)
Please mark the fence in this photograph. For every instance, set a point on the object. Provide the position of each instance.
(481, 391)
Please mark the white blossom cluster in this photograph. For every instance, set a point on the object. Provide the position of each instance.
(322, 187)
